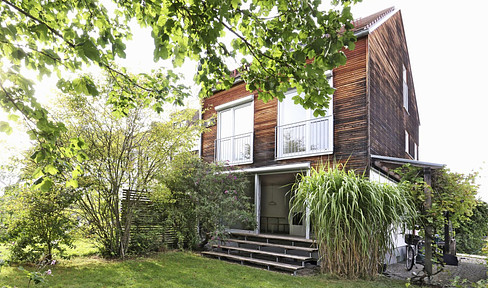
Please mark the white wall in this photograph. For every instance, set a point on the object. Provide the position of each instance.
(398, 236)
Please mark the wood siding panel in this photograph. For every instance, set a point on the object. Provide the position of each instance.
(350, 110)
(389, 120)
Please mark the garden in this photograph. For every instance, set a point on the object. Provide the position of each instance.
(128, 202)
(111, 192)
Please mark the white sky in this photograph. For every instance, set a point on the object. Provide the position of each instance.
(445, 41)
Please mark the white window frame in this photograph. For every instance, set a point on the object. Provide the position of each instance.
(233, 105)
(405, 88)
(330, 145)
(407, 146)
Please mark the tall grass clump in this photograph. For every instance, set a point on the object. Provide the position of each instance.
(353, 219)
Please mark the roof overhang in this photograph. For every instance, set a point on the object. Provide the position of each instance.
(294, 167)
(375, 23)
(402, 161)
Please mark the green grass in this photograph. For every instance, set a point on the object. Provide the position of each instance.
(81, 248)
(175, 269)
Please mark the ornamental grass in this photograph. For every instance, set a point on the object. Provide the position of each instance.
(352, 218)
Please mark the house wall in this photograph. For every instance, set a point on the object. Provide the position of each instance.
(350, 118)
(350, 109)
(389, 119)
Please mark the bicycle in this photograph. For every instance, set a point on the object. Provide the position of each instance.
(416, 250)
(415, 246)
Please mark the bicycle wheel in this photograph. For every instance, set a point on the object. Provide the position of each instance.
(410, 258)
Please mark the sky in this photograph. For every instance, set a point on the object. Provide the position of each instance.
(445, 42)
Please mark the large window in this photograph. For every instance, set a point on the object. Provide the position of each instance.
(299, 133)
(235, 131)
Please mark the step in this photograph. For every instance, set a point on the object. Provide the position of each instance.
(275, 237)
(286, 247)
(242, 259)
(273, 254)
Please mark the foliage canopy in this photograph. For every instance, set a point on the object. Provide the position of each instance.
(451, 192)
(275, 39)
(471, 235)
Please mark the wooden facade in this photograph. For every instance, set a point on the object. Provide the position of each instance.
(368, 113)
(389, 119)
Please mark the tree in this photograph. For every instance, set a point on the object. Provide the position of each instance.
(121, 154)
(277, 40)
(471, 234)
(444, 197)
(451, 192)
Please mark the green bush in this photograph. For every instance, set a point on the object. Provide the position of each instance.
(471, 234)
(38, 222)
(203, 199)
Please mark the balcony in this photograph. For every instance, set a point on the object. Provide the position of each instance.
(236, 149)
(305, 138)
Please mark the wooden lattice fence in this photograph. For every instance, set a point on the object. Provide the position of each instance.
(149, 229)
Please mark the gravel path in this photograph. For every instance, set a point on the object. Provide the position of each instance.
(472, 268)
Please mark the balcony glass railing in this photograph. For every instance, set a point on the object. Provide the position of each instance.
(304, 138)
(235, 149)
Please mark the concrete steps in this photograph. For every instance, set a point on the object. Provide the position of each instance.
(279, 252)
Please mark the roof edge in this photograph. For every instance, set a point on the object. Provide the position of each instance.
(402, 161)
(372, 25)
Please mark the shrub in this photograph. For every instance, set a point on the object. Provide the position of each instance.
(203, 200)
(38, 222)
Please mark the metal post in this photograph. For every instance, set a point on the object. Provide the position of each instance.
(428, 227)
(257, 203)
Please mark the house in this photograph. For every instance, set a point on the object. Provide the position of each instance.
(373, 117)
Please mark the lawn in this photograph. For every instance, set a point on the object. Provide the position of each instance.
(175, 269)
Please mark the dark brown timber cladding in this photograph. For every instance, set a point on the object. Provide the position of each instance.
(389, 120)
(350, 109)
(350, 118)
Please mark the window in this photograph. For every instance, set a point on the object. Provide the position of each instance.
(299, 132)
(405, 88)
(406, 143)
(235, 131)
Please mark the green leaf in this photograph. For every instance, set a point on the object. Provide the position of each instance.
(235, 3)
(51, 169)
(91, 51)
(46, 184)
(72, 183)
(13, 117)
(38, 173)
(5, 127)
(90, 87)
(78, 171)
